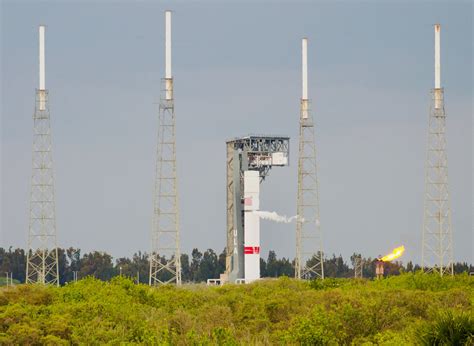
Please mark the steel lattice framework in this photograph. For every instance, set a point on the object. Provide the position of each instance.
(165, 258)
(358, 266)
(437, 252)
(42, 255)
(437, 242)
(309, 247)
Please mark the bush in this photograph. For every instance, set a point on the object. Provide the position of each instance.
(448, 328)
(410, 308)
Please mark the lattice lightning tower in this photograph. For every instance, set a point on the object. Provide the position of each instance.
(358, 266)
(309, 249)
(165, 261)
(42, 254)
(437, 247)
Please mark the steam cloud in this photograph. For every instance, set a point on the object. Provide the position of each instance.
(274, 216)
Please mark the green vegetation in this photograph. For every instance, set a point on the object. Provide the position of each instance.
(3, 281)
(406, 309)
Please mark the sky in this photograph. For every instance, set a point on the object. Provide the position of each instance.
(236, 68)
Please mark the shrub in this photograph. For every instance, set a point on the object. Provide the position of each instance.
(279, 311)
(448, 328)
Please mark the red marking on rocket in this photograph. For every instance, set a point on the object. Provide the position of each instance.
(252, 250)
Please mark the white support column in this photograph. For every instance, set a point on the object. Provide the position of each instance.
(304, 70)
(42, 69)
(437, 29)
(168, 74)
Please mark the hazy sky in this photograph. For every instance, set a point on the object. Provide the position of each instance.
(237, 71)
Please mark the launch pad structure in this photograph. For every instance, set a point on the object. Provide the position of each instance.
(249, 160)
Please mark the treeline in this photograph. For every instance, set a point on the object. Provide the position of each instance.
(198, 267)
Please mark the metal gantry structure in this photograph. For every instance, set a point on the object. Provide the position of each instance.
(309, 247)
(437, 239)
(165, 256)
(42, 253)
(255, 153)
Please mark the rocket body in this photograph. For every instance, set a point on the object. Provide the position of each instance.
(252, 226)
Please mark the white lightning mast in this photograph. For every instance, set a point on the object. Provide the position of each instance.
(165, 256)
(42, 69)
(168, 76)
(309, 249)
(437, 242)
(42, 255)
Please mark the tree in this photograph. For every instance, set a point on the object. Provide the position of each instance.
(276, 267)
(392, 268)
(369, 268)
(123, 266)
(140, 267)
(63, 267)
(195, 263)
(462, 267)
(222, 261)
(97, 264)
(263, 268)
(13, 261)
(208, 268)
(272, 264)
(285, 267)
(185, 268)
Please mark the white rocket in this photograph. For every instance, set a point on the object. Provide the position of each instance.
(252, 226)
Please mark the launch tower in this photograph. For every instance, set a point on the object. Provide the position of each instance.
(249, 160)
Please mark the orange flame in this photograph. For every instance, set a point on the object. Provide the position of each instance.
(394, 255)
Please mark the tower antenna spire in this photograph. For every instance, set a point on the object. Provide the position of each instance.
(309, 248)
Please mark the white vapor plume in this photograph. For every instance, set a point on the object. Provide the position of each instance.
(273, 216)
